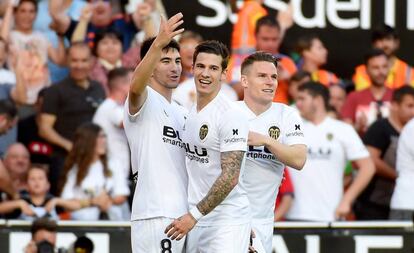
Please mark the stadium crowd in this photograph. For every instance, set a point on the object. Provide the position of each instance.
(65, 68)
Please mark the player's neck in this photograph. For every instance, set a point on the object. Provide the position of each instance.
(318, 117)
(395, 122)
(378, 92)
(310, 66)
(163, 91)
(204, 99)
(118, 97)
(256, 108)
(38, 199)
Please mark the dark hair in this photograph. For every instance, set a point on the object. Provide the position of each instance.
(148, 42)
(374, 52)
(258, 57)
(316, 89)
(43, 224)
(34, 2)
(8, 107)
(383, 31)
(116, 74)
(106, 33)
(39, 166)
(305, 42)
(190, 35)
(267, 20)
(213, 47)
(299, 75)
(82, 154)
(399, 94)
(83, 243)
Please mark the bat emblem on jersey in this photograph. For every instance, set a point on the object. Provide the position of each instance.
(274, 132)
(203, 132)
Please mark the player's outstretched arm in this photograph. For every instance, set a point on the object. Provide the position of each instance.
(231, 162)
(143, 72)
(291, 155)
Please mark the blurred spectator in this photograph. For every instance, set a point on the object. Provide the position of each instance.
(337, 97)
(188, 42)
(28, 134)
(363, 107)
(108, 52)
(381, 140)
(297, 79)
(43, 24)
(243, 41)
(8, 113)
(97, 184)
(402, 201)
(33, 203)
(6, 76)
(67, 105)
(17, 163)
(269, 37)
(44, 232)
(30, 48)
(284, 198)
(319, 194)
(109, 116)
(100, 14)
(314, 56)
(385, 37)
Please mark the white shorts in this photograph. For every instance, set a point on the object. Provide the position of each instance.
(147, 236)
(219, 239)
(264, 236)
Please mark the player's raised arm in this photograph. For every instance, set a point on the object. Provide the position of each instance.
(143, 72)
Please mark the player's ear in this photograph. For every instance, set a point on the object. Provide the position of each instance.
(243, 81)
(223, 75)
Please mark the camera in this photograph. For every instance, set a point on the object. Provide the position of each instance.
(45, 247)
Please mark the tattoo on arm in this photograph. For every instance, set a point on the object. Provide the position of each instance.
(230, 164)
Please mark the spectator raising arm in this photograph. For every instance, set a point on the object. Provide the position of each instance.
(82, 27)
(61, 21)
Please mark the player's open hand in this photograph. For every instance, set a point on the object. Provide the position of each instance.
(168, 29)
(256, 139)
(180, 227)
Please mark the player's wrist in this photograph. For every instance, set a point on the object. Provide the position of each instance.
(195, 213)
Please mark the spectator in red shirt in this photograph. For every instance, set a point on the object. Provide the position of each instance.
(363, 107)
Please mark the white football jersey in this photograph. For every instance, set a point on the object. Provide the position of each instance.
(158, 158)
(219, 127)
(263, 172)
(402, 198)
(318, 187)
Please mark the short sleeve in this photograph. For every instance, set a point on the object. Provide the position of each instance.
(133, 117)
(293, 128)
(233, 131)
(376, 136)
(405, 150)
(354, 148)
(348, 110)
(51, 101)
